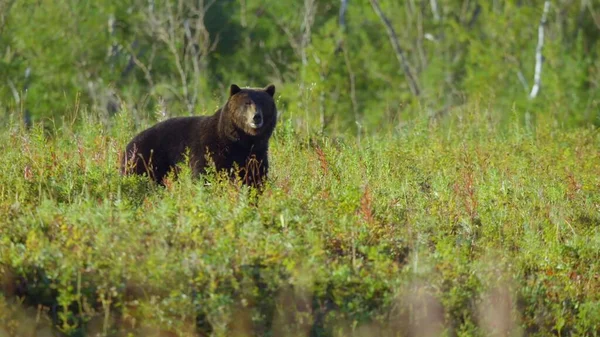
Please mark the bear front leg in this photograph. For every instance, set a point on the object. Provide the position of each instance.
(198, 166)
(254, 171)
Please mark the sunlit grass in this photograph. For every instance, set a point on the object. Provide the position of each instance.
(454, 228)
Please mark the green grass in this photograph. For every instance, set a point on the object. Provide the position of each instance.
(460, 228)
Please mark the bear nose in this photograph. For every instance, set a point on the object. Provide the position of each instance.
(257, 119)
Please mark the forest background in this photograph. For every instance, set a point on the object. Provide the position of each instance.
(338, 65)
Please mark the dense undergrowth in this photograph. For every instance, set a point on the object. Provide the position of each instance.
(455, 228)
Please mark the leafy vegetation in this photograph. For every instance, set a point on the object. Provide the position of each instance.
(454, 228)
(333, 61)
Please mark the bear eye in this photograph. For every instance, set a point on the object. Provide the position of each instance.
(248, 103)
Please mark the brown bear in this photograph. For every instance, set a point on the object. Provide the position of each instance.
(235, 137)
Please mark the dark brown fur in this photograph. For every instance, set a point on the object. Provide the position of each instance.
(231, 137)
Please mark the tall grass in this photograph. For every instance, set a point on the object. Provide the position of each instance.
(452, 228)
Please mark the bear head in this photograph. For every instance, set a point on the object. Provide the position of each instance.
(252, 110)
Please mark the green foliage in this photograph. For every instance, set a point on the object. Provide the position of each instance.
(340, 75)
(463, 227)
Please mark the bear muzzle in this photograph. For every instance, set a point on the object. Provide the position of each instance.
(256, 120)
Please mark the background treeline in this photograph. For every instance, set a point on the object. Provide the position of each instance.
(339, 65)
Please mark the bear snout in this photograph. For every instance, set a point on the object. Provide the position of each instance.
(257, 120)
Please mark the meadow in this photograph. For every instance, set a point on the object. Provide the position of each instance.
(462, 226)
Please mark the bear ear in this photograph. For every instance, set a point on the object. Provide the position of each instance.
(234, 89)
(270, 89)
